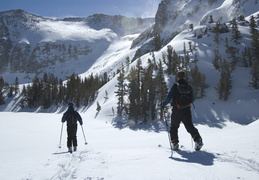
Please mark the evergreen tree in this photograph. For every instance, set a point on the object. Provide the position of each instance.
(236, 36)
(1, 89)
(161, 87)
(106, 97)
(244, 58)
(169, 61)
(148, 93)
(186, 59)
(16, 86)
(98, 107)
(133, 90)
(216, 30)
(176, 62)
(191, 27)
(121, 92)
(255, 75)
(157, 42)
(254, 37)
(198, 82)
(211, 19)
(217, 59)
(225, 83)
(1, 98)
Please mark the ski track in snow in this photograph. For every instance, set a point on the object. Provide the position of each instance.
(242, 163)
(70, 165)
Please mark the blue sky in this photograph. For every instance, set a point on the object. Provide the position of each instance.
(83, 8)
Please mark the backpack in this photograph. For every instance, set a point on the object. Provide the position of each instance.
(183, 96)
(71, 118)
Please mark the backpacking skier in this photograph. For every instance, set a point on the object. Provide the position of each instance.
(181, 97)
(71, 116)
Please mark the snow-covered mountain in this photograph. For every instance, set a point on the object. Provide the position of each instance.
(174, 16)
(115, 150)
(34, 45)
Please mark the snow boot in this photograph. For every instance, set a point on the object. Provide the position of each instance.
(175, 146)
(198, 144)
(75, 148)
(70, 149)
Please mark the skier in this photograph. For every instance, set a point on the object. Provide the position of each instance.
(181, 103)
(71, 116)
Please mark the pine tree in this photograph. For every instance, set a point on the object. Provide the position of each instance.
(198, 82)
(236, 35)
(133, 90)
(255, 75)
(161, 87)
(16, 86)
(254, 37)
(1, 88)
(157, 42)
(98, 107)
(191, 27)
(1, 98)
(244, 58)
(225, 83)
(169, 62)
(217, 59)
(176, 62)
(121, 92)
(216, 30)
(211, 19)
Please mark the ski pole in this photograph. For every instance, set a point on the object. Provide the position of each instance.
(168, 133)
(84, 134)
(61, 136)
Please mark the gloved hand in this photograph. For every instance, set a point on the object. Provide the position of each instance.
(162, 105)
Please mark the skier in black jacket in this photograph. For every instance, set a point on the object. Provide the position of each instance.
(181, 113)
(71, 116)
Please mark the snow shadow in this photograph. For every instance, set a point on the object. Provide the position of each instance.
(198, 157)
(217, 114)
(154, 126)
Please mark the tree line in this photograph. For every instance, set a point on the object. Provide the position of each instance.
(50, 91)
(141, 92)
(248, 58)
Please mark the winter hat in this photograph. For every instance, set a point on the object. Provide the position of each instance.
(70, 104)
(181, 75)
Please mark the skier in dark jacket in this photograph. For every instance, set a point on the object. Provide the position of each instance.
(71, 116)
(181, 114)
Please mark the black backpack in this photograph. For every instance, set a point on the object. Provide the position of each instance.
(183, 96)
(71, 118)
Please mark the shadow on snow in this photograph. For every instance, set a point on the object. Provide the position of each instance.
(198, 157)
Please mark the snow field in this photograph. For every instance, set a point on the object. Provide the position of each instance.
(29, 141)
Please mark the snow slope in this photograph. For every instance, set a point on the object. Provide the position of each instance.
(29, 141)
(115, 151)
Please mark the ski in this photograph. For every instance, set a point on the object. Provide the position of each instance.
(178, 149)
(64, 152)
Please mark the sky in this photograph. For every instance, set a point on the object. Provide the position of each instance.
(83, 8)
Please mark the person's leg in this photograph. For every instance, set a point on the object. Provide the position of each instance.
(187, 121)
(74, 137)
(175, 123)
(69, 138)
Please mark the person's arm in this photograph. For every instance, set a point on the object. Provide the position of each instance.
(193, 96)
(79, 118)
(169, 97)
(64, 118)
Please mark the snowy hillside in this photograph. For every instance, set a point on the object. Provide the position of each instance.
(174, 16)
(117, 150)
(36, 45)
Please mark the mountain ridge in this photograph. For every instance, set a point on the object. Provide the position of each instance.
(33, 44)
